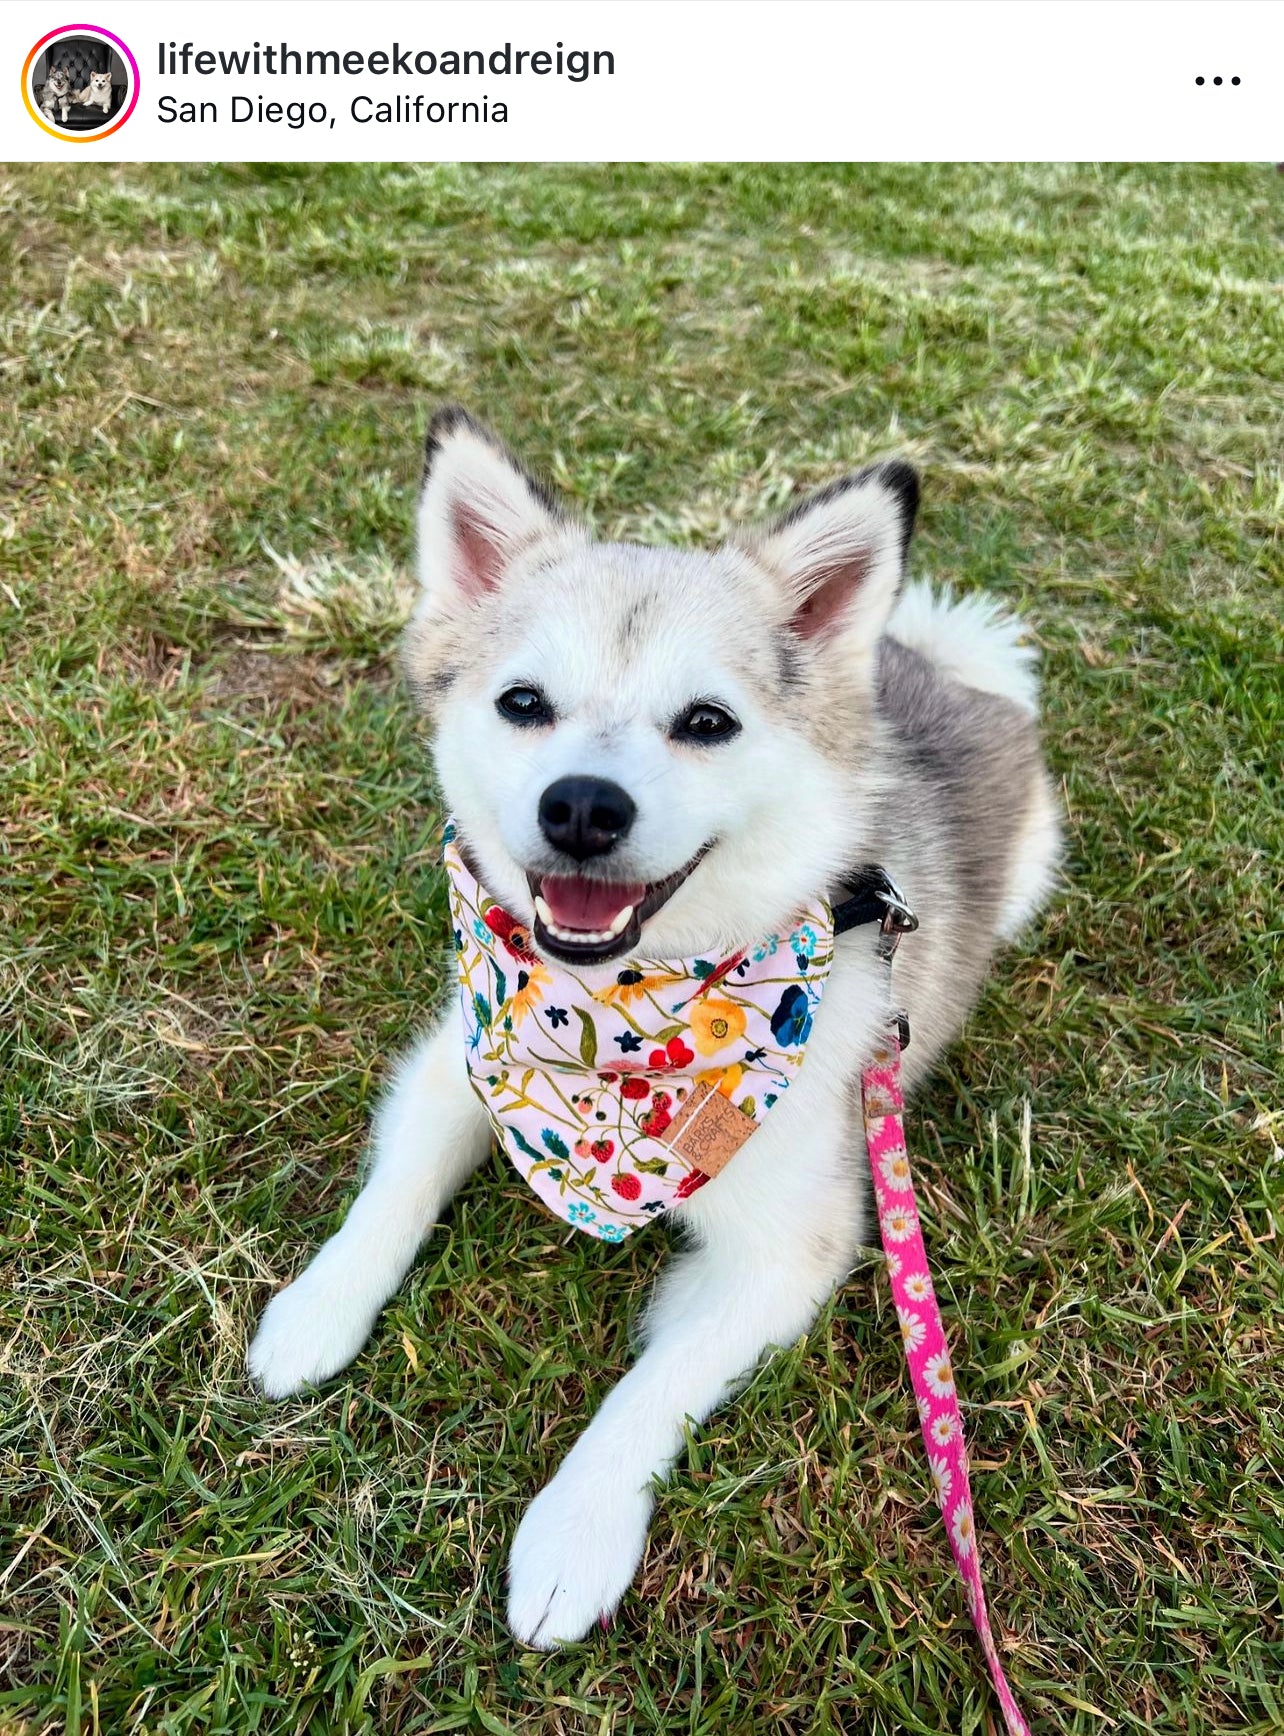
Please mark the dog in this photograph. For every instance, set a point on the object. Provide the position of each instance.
(57, 92)
(97, 93)
(742, 726)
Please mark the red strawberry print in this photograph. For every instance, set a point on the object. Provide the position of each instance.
(627, 1186)
(635, 1088)
(602, 1149)
(690, 1182)
(655, 1121)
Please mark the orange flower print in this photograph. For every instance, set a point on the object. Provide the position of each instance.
(634, 985)
(531, 984)
(714, 1024)
(723, 1079)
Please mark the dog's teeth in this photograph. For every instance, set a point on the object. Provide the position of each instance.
(578, 936)
(583, 936)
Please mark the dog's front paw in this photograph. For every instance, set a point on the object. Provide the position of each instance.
(574, 1556)
(309, 1331)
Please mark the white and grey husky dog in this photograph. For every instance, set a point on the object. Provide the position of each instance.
(57, 92)
(760, 719)
(97, 93)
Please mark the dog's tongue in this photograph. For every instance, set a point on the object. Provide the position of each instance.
(589, 904)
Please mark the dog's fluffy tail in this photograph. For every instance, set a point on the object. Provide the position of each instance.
(972, 638)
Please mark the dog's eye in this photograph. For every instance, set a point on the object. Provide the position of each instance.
(705, 722)
(524, 705)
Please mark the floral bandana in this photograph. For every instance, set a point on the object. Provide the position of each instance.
(619, 1089)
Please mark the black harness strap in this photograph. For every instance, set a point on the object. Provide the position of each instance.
(873, 896)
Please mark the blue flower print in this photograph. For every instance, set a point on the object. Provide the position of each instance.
(610, 1232)
(804, 941)
(580, 1214)
(629, 1042)
(768, 948)
(482, 932)
(791, 1021)
(555, 1015)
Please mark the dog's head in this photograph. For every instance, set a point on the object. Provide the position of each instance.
(649, 749)
(99, 82)
(59, 79)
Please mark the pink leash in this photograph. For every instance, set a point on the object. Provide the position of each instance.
(922, 1330)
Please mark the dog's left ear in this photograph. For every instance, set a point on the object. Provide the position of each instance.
(841, 554)
(478, 510)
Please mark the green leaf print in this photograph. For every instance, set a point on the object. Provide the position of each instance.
(555, 1143)
(588, 1038)
(501, 987)
(522, 1143)
(481, 1006)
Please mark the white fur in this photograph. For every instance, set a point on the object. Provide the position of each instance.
(783, 1223)
(1034, 864)
(472, 488)
(972, 638)
(852, 539)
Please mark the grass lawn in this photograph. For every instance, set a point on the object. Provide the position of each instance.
(221, 912)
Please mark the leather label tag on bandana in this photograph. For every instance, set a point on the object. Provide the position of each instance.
(708, 1130)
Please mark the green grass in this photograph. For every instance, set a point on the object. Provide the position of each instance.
(221, 913)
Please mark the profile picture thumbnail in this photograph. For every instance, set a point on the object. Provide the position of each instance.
(80, 83)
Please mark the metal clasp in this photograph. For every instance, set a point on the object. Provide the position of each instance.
(898, 918)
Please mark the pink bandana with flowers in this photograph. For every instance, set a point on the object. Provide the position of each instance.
(618, 1090)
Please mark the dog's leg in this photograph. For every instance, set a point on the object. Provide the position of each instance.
(430, 1133)
(757, 1280)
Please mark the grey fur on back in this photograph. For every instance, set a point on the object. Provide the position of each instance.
(960, 772)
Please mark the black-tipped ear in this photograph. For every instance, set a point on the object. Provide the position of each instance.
(479, 507)
(841, 553)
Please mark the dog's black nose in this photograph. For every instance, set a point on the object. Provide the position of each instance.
(585, 816)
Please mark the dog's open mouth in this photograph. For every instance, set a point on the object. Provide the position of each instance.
(583, 921)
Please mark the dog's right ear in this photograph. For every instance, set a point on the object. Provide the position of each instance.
(841, 554)
(478, 509)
